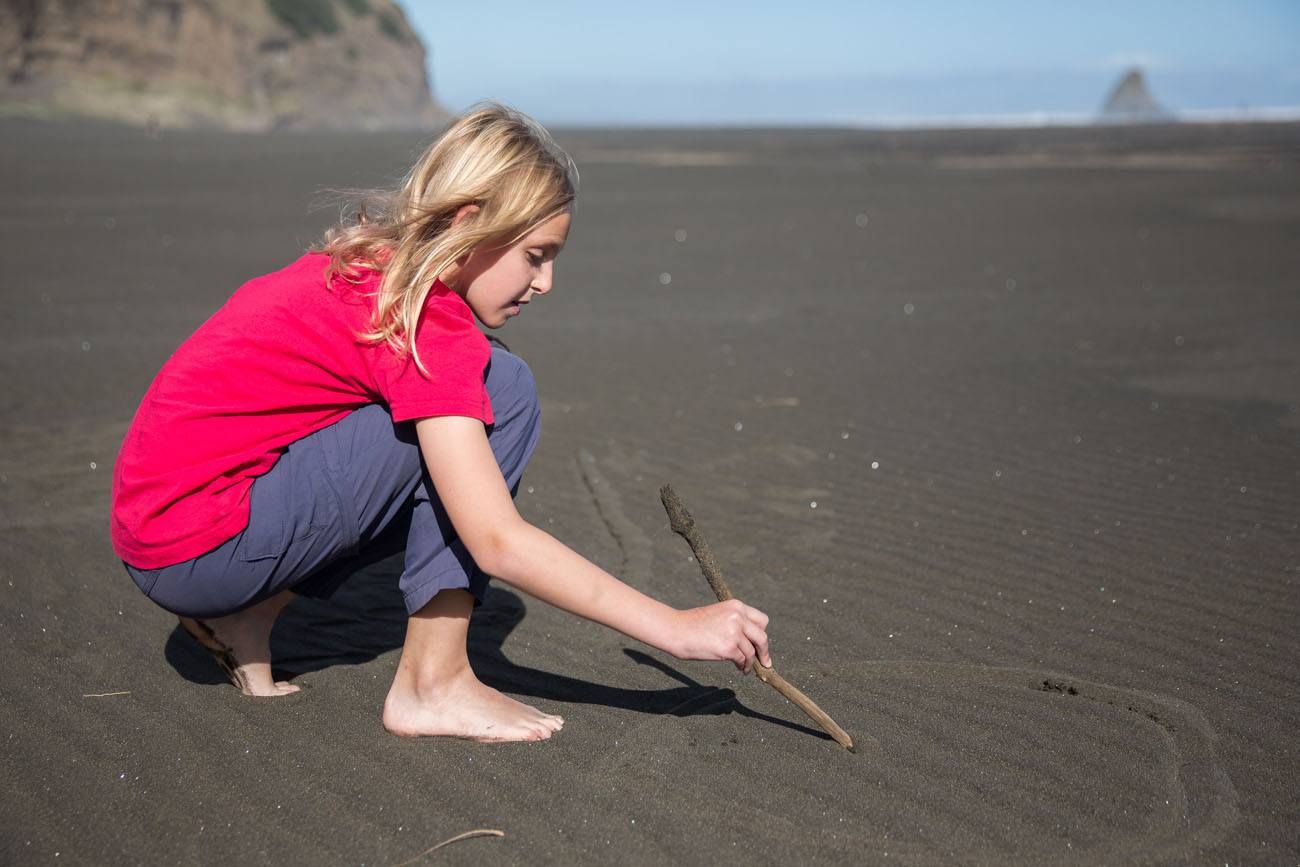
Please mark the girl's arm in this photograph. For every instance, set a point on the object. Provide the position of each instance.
(469, 484)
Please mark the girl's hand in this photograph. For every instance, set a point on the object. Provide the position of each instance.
(726, 630)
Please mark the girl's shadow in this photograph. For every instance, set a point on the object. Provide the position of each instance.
(366, 618)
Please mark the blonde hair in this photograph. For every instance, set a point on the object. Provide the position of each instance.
(494, 157)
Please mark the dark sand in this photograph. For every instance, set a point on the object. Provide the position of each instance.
(1041, 386)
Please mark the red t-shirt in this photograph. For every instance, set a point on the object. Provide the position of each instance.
(280, 360)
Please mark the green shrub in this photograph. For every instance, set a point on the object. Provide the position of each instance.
(358, 7)
(306, 17)
(392, 24)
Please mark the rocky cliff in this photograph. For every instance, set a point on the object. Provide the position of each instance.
(1131, 100)
(236, 64)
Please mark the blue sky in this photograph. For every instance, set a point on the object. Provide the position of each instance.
(819, 61)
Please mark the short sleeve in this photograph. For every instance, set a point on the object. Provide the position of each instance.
(455, 355)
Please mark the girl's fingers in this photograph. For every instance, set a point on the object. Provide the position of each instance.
(758, 638)
(747, 652)
(742, 634)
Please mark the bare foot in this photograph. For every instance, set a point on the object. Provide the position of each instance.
(463, 707)
(241, 645)
(435, 691)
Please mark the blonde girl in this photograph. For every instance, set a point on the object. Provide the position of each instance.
(347, 404)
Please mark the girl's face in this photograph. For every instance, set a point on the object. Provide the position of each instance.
(497, 283)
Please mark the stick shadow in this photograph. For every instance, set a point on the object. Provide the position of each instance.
(366, 618)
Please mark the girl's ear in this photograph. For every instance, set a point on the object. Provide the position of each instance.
(464, 213)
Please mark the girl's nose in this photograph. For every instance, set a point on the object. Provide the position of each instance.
(542, 284)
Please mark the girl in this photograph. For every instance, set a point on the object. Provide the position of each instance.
(349, 397)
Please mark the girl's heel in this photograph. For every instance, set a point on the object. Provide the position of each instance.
(217, 649)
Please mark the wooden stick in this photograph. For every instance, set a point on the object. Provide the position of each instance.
(468, 835)
(684, 525)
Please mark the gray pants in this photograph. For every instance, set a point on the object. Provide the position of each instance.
(344, 496)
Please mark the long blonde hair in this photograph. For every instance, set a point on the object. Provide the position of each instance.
(493, 157)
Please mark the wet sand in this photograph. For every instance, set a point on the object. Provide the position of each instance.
(1001, 428)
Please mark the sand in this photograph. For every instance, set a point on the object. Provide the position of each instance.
(999, 427)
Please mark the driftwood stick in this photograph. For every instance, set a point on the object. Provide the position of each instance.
(684, 525)
(468, 835)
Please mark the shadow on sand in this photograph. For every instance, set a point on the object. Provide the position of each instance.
(366, 618)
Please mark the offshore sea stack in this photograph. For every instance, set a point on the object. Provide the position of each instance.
(230, 64)
(1131, 101)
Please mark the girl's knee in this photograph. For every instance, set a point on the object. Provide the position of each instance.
(512, 389)
(517, 415)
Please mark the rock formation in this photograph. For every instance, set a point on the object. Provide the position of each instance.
(1131, 100)
(235, 64)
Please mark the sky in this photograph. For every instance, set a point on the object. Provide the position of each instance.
(581, 62)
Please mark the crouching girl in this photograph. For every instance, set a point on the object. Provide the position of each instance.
(350, 396)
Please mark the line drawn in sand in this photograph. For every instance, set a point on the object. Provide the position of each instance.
(975, 764)
(633, 543)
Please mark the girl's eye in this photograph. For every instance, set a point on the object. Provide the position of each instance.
(536, 258)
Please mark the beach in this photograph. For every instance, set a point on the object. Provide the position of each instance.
(1000, 427)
